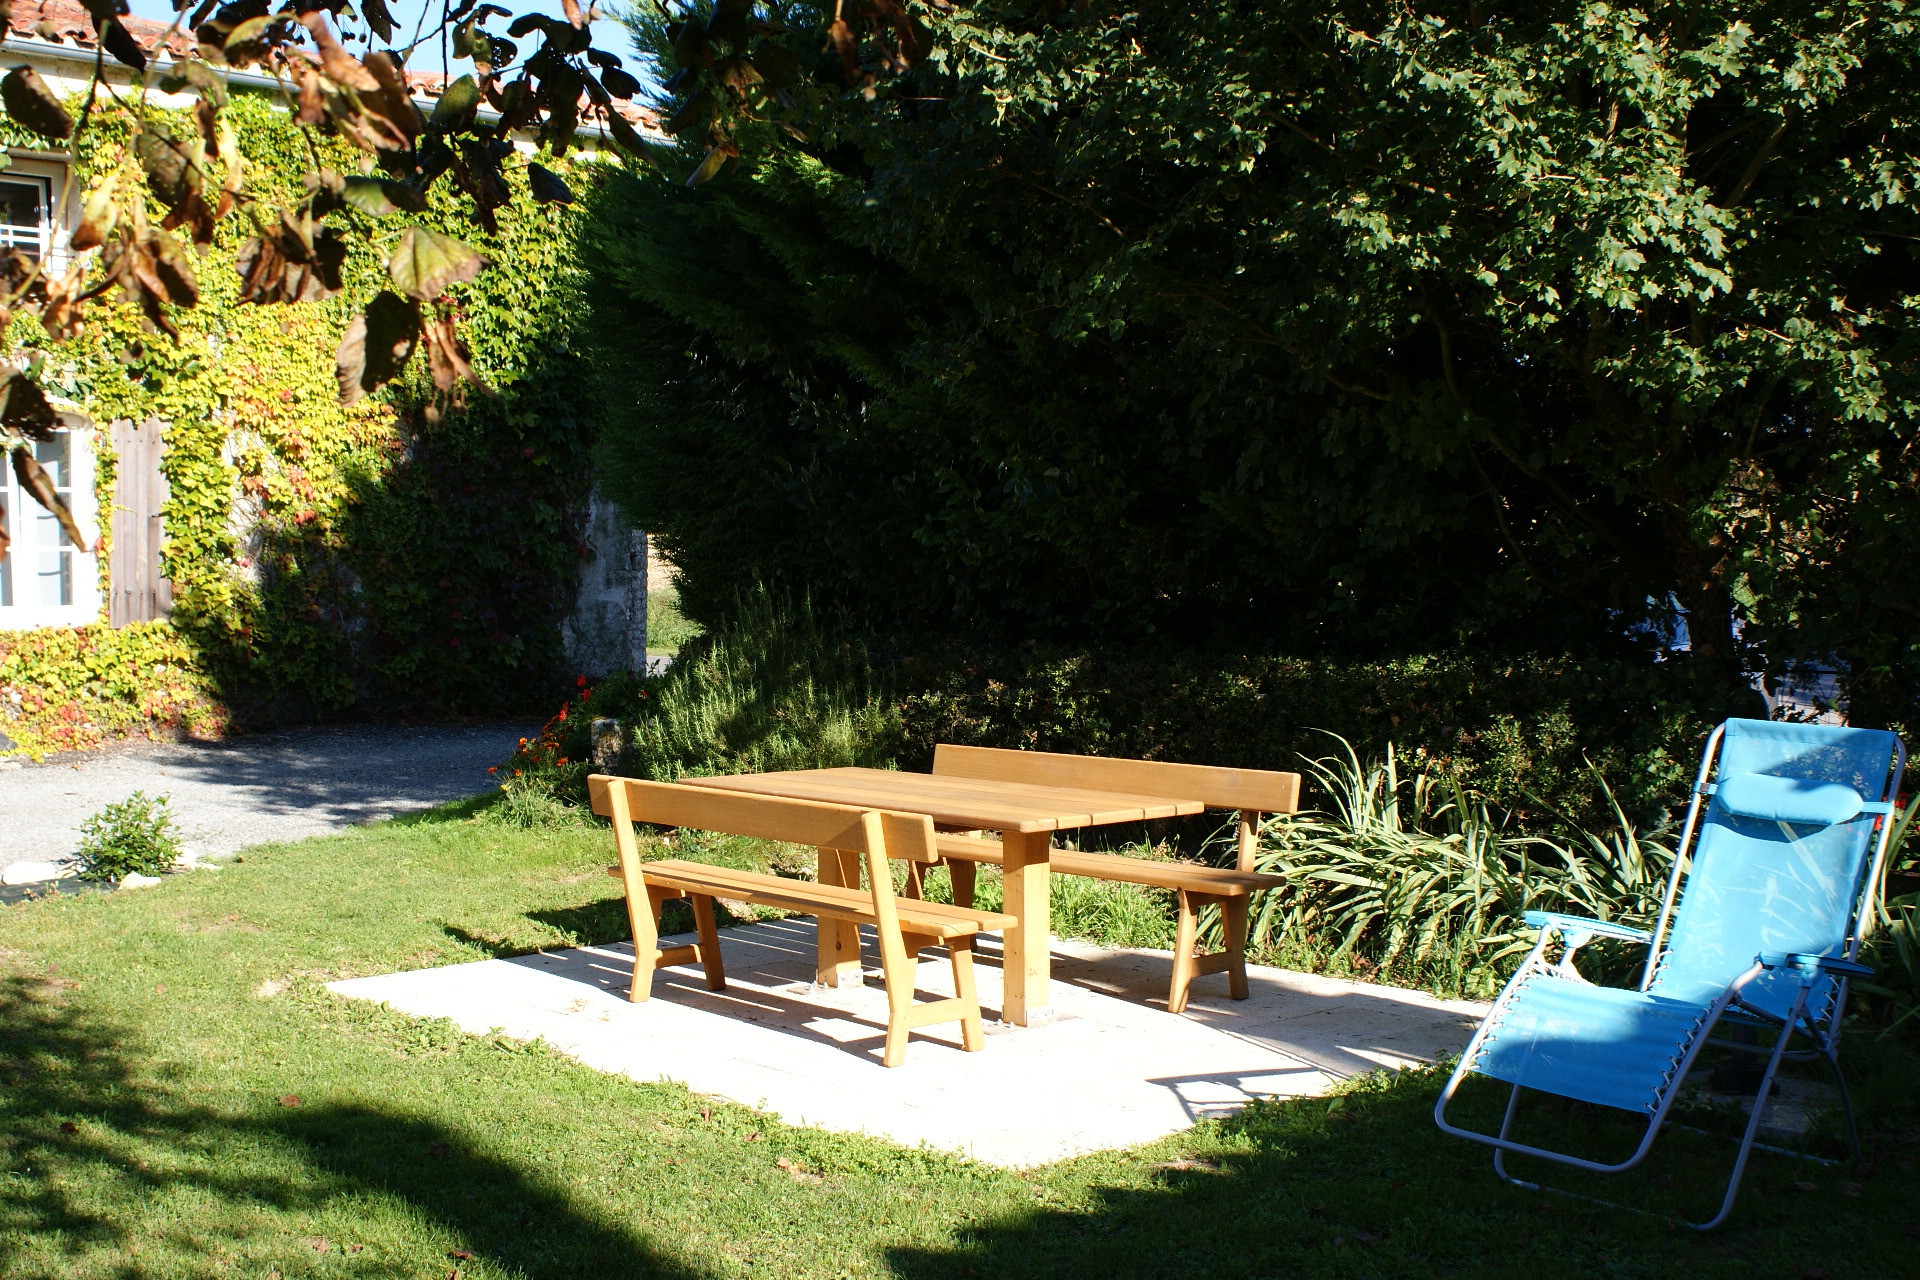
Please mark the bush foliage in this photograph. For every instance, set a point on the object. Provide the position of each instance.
(136, 836)
(785, 687)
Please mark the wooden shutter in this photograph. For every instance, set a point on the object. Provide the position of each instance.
(140, 593)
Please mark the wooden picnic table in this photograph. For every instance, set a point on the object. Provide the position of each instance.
(1025, 814)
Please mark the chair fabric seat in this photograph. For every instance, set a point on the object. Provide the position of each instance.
(1605, 1045)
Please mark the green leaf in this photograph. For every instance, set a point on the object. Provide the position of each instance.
(425, 264)
(456, 105)
(33, 105)
(378, 197)
(715, 160)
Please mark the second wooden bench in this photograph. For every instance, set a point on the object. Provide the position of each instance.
(1251, 791)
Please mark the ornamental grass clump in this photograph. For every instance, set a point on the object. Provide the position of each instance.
(1417, 878)
(133, 837)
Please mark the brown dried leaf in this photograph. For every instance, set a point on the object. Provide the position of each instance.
(168, 161)
(377, 346)
(118, 41)
(100, 213)
(626, 136)
(447, 357)
(340, 66)
(394, 102)
(33, 105)
(33, 478)
(173, 266)
(312, 102)
(292, 265)
(236, 169)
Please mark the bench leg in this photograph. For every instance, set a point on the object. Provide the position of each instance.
(899, 961)
(962, 873)
(916, 882)
(1182, 954)
(973, 1036)
(709, 942)
(837, 963)
(645, 921)
(1233, 924)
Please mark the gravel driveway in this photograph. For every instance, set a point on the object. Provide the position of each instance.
(272, 786)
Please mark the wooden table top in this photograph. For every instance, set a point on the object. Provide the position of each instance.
(969, 804)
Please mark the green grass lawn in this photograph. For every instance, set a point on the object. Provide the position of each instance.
(179, 1096)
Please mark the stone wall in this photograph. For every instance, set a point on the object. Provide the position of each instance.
(607, 628)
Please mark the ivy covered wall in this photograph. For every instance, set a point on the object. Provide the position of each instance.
(403, 556)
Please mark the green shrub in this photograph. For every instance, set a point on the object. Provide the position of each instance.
(1418, 877)
(781, 687)
(777, 690)
(135, 836)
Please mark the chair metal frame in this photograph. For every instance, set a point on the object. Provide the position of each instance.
(1824, 1033)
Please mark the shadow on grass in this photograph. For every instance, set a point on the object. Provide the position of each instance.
(1364, 1185)
(89, 1147)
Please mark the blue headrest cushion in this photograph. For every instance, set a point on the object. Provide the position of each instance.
(1796, 801)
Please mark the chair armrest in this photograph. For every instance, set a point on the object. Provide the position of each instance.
(1832, 966)
(1558, 923)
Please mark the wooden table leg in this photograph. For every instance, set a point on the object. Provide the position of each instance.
(838, 962)
(1027, 964)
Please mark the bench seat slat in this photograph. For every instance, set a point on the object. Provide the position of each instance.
(1217, 881)
(936, 918)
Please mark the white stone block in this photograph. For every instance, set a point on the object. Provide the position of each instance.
(33, 872)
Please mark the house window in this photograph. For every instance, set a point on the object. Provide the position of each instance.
(26, 214)
(45, 580)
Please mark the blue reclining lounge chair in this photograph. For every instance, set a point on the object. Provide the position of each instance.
(1791, 837)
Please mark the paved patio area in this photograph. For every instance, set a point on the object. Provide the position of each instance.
(1114, 1069)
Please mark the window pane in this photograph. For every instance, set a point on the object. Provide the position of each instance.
(56, 456)
(56, 577)
(23, 214)
(7, 504)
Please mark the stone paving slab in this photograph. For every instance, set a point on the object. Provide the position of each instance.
(1114, 1070)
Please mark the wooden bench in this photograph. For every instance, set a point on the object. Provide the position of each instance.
(1251, 791)
(904, 926)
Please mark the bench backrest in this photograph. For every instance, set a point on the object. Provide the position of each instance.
(1256, 790)
(826, 826)
(1251, 791)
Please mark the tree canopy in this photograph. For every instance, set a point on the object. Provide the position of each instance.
(1306, 325)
